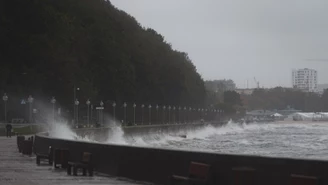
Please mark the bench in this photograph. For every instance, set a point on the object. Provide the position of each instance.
(61, 157)
(20, 140)
(303, 180)
(48, 156)
(85, 165)
(27, 147)
(199, 173)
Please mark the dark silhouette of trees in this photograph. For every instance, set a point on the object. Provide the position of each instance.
(48, 47)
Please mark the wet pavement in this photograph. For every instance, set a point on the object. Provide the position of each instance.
(19, 169)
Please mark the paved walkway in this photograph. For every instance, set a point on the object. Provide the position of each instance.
(18, 169)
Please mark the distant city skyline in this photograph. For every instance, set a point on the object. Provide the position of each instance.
(239, 39)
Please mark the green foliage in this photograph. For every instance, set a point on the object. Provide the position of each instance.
(49, 46)
(281, 98)
(232, 98)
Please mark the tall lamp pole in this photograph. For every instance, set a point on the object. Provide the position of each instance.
(102, 112)
(124, 105)
(169, 114)
(134, 114)
(185, 114)
(77, 111)
(174, 114)
(114, 107)
(53, 101)
(30, 101)
(149, 107)
(88, 104)
(164, 107)
(142, 113)
(5, 99)
(74, 102)
(179, 114)
(157, 120)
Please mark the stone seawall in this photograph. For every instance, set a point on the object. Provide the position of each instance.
(156, 165)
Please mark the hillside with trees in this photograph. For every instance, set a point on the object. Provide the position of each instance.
(282, 98)
(48, 47)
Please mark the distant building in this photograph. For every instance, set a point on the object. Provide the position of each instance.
(220, 85)
(305, 80)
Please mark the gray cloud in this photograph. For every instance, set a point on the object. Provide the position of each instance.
(241, 39)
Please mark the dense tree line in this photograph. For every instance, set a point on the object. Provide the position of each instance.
(282, 98)
(48, 47)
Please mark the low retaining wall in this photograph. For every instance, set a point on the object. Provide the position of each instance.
(156, 165)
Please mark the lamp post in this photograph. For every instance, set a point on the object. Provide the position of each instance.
(124, 105)
(114, 107)
(134, 114)
(5, 99)
(91, 118)
(179, 114)
(157, 107)
(189, 115)
(149, 107)
(74, 100)
(53, 101)
(174, 114)
(30, 101)
(169, 114)
(102, 112)
(164, 107)
(185, 115)
(77, 111)
(88, 105)
(142, 113)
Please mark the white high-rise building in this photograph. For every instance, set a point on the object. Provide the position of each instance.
(305, 79)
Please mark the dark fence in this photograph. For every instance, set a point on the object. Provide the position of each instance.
(156, 165)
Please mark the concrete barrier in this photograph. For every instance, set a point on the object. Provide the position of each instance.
(156, 165)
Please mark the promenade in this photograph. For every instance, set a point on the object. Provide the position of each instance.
(18, 169)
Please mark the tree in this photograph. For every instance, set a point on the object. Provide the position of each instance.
(232, 98)
(48, 47)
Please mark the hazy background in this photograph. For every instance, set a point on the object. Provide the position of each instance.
(241, 39)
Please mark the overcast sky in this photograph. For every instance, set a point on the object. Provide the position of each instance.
(242, 39)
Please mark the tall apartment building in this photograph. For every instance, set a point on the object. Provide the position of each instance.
(305, 79)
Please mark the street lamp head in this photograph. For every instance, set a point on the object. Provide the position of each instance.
(124, 104)
(149, 106)
(88, 102)
(101, 103)
(5, 97)
(53, 100)
(30, 99)
(134, 105)
(114, 104)
(77, 102)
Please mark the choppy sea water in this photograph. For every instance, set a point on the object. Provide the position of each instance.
(282, 139)
(307, 140)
